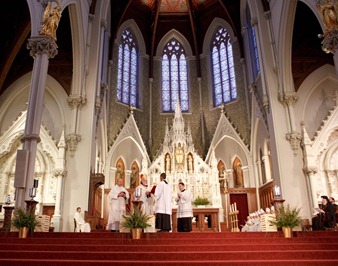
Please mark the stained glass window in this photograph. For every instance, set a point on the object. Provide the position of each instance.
(174, 77)
(253, 47)
(127, 85)
(223, 68)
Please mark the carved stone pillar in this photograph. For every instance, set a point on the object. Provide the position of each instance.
(59, 174)
(310, 173)
(41, 49)
(289, 99)
(332, 181)
(267, 168)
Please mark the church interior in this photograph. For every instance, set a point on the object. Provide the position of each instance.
(235, 98)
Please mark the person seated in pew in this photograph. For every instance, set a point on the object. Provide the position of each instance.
(81, 224)
(325, 217)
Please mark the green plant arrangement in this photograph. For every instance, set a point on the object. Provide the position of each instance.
(287, 216)
(24, 218)
(201, 201)
(136, 222)
(137, 219)
(286, 219)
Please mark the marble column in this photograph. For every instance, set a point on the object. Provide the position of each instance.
(42, 48)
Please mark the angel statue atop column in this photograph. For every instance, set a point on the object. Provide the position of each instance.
(51, 18)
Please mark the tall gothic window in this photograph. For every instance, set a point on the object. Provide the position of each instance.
(174, 77)
(127, 85)
(223, 68)
(252, 46)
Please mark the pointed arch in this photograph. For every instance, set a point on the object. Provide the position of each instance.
(131, 24)
(174, 34)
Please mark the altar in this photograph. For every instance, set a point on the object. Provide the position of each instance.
(201, 213)
(178, 158)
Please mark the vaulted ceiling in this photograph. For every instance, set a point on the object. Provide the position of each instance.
(154, 18)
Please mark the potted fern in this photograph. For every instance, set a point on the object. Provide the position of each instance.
(25, 221)
(136, 222)
(200, 202)
(287, 218)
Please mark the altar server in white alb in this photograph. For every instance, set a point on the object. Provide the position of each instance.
(163, 205)
(184, 209)
(146, 196)
(81, 224)
(118, 198)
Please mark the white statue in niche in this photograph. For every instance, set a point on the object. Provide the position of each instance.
(179, 156)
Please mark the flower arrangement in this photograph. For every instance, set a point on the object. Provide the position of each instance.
(201, 201)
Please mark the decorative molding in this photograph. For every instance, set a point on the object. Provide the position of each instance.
(288, 98)
(59, 172)
(266, 103)
(91, 18)
(254, 21)
(104, 24)
(252, 87)
(39, 45)
(310, 170)
(294, 138)
(267, 14)
(76, 101)
(72, 140)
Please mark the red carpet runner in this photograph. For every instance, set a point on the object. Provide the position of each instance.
(106, 248)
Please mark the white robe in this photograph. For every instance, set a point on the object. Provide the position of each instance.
(163, 198)
(184, 208)
(81, 225)
(148, 202)
(117, 207)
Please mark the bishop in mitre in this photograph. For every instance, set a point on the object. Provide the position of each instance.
(146, 196)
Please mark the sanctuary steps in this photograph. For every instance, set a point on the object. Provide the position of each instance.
(195, 248)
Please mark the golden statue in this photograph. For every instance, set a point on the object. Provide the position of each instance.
(329, 13)
(51, 18)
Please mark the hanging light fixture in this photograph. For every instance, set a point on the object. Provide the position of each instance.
(328, 10)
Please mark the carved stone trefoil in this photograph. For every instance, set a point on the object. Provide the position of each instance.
(294, 138)
(288, 98)
(39, 45)
(72, 140)
(76, 101)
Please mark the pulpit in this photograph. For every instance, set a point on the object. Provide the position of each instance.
(7, 219)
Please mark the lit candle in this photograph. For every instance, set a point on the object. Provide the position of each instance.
(235, 207)
(277, 191)
(35, 183)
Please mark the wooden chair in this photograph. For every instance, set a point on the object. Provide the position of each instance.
(76, 228)
(305, 224)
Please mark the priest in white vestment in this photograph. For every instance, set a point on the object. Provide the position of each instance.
(148, 199)
(184, 209)
(163, 205)
(118, 198)
(81, 224)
